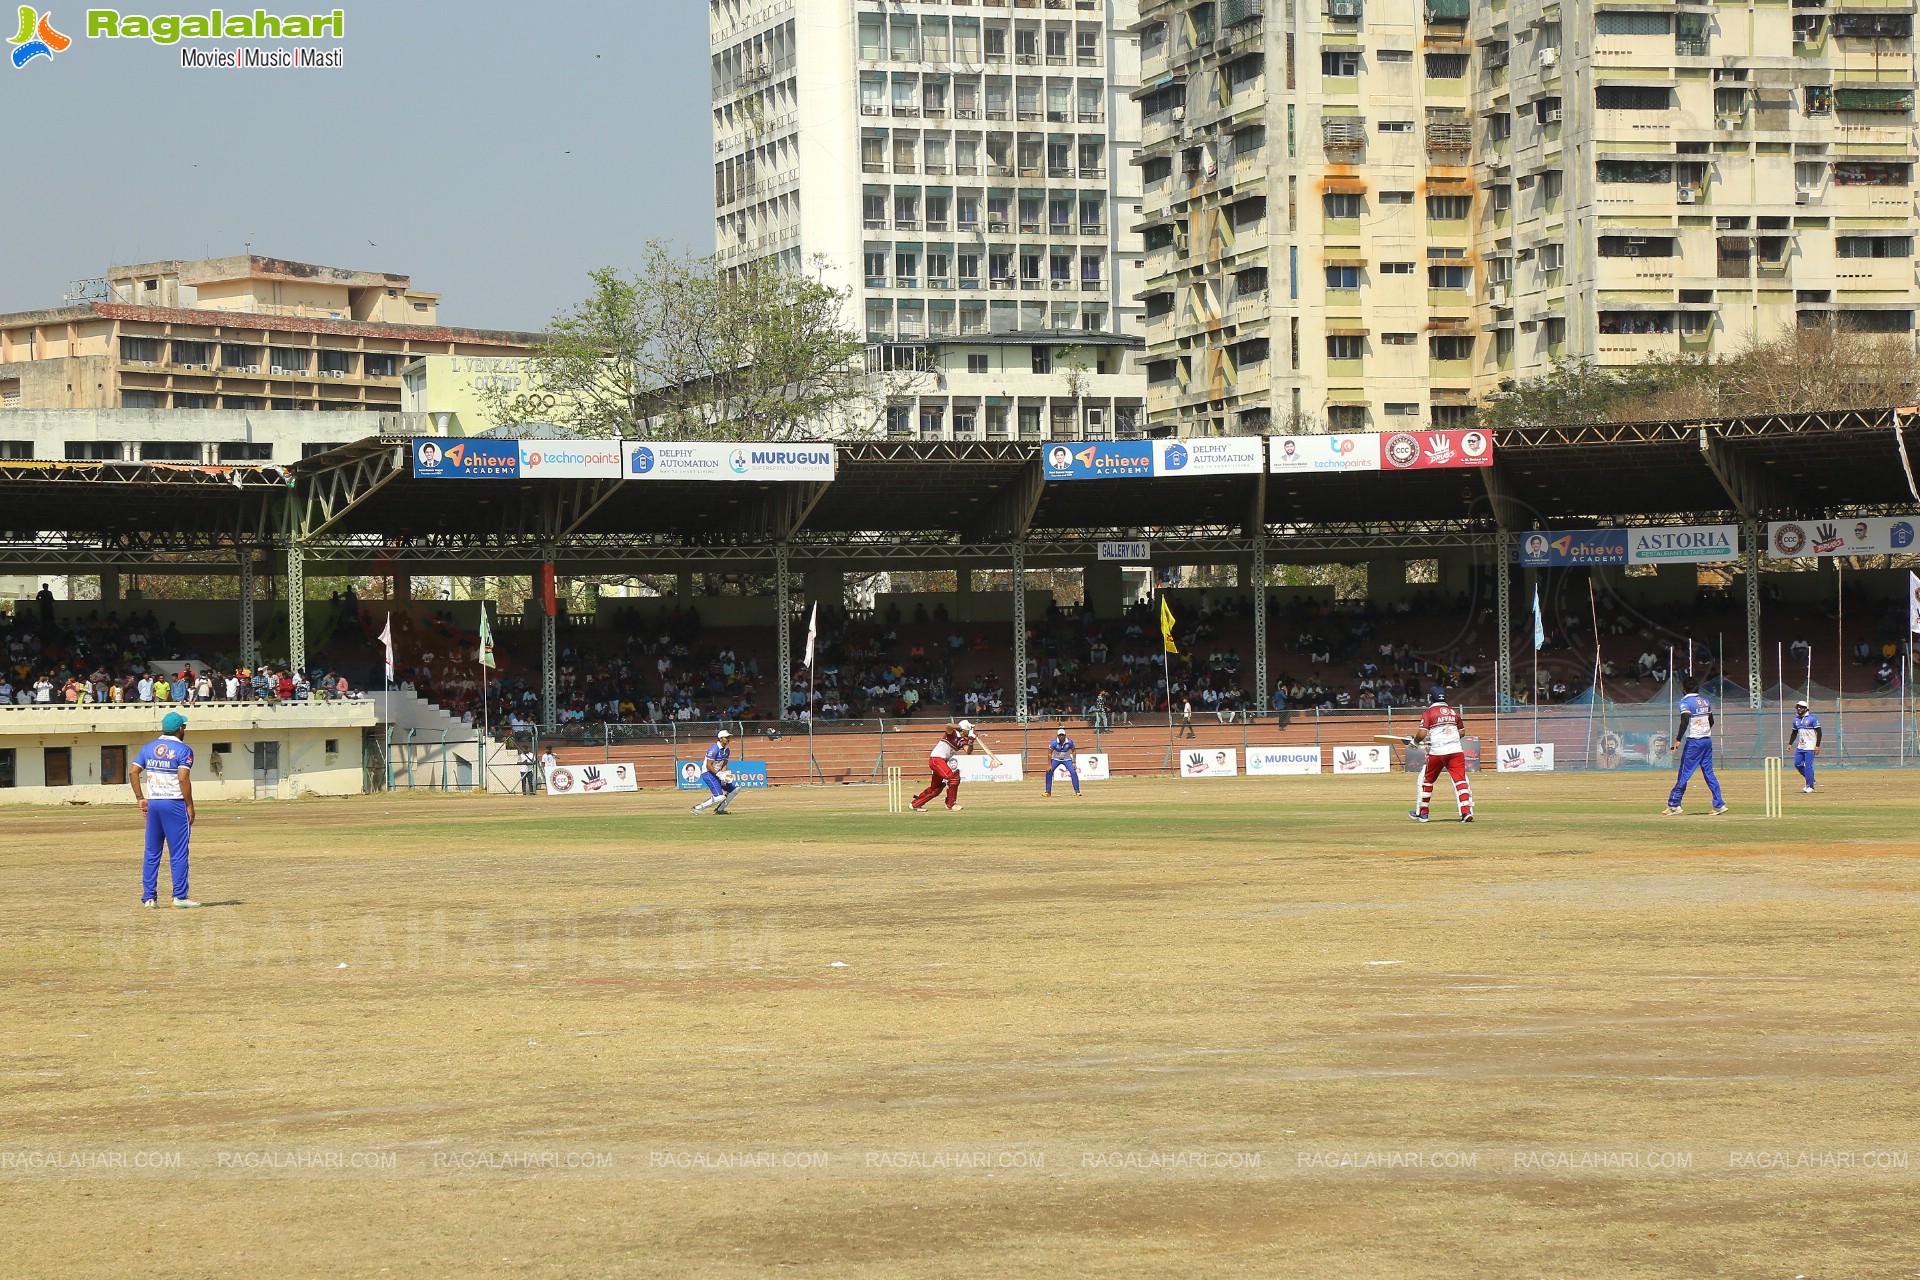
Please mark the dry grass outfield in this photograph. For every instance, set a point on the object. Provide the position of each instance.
(1208, 1028)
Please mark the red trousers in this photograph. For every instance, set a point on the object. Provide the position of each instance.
(945, 778)
(1455, 767)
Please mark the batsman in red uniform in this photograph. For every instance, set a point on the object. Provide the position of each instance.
(1440, 730)
(958, 737)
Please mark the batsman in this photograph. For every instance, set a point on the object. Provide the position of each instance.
(1446, 753)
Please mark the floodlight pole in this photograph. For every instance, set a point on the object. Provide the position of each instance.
(1503, 576)
(1020, 631)
(783, 629)
(1262, 703)
(1751, 533)
(249, 642)
(296, 605)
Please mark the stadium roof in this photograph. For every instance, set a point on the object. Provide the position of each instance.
(909, 496)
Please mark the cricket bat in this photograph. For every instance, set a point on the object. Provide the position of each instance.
(1394, 738)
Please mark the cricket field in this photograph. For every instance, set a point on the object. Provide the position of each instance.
(1205, 1028)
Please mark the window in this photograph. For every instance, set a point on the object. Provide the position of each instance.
(95, 451)
(290, 359)
(1344, 205)
(1403, 409)
(140, 350)
(1446, 66)
(1873, 246)
(1451, 346)
(245, 451)
(143, 399)
(113, 766)
(1633, 97)
(16, 450)
(1645, 171)
(313, 448)
(1343, 277)
(1398, 339)
(9, 775)
(1043, 359)
(1396, 268)
(379, 365)
(1346, 347)
(1346, 417)
(976, 363)
(1449, 277)
(1396, 126)
(1449, 208)
(1638, 247)
(1340, 63)
(1396, 197)
(1610, 22)
(59, 766)
(169, 451)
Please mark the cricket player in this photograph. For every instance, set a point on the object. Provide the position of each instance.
(718, 777)
(162, 778)
(1804, 739)
(1060, 756)
(958, 737)
(1695, 733)
(1440, 731)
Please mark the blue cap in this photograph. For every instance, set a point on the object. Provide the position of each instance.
(1436, 694)
(173, 723)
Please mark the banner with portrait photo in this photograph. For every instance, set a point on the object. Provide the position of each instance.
(587, 779)
(1873, 536)
(1094, 766)
(1524, 757)
(1209, 762)
(1369, 758)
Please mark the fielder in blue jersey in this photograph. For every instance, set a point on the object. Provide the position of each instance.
(1804, 740)
(1695, 734)
(1060, 756)
(162, 778)
(718, 777)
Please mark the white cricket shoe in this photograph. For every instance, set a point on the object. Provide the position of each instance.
(1672, 810)
(184, 904)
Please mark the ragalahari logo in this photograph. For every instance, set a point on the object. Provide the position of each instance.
(37, 38)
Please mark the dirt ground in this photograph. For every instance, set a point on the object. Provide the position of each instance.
(1260, 1027)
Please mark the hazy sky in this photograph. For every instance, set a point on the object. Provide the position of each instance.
(493, 151)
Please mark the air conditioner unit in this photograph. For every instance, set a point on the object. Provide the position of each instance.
(1802, 197)
(1497, 295)
(1179, 114)
(1686, 195)
(1096, 419)
(1343, 8)
(1550, 56)
(253, 368)
(1551, 116)
(1726, 124)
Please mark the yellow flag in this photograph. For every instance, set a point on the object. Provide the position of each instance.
(1166, 626)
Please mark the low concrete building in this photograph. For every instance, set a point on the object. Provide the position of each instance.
(64, 754)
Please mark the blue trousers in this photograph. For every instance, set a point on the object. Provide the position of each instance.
(1696, 754)
(1073, 772)
(717, 787)
(166, 822)
(1803, 765)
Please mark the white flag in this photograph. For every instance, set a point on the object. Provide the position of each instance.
(813, 629)
(386, 640)
(1913, 601)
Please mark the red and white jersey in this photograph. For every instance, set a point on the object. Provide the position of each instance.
(1442, 724)
(951, 741)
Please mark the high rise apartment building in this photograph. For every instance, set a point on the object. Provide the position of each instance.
(964, 169)
(1368, 213)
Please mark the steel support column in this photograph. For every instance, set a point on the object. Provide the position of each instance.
(783, 628)
(1020, 631)
(1262, 701)
(1752, 533)
(1503, 574)
(549, 655)
(249, 631)
(296, 605)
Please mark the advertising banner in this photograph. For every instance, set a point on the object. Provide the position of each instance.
(1011, 768)
(1094, 766)
(1207, 456)
(1272, 761)
(1690, 544)
(1104, 460)
(1881, 535)
(748, 775)
(570, 459)
(585, 779)
(468, 459)
(1209, 762)
(1365, 759)
(1526, 757)
(1432, 450)
(1416, 757)
(714, 460)
(1324, 453)
(1127, 552)
(1557, 548)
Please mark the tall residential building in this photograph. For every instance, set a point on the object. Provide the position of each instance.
(244, 332)
(965, 171)
(1369, 213)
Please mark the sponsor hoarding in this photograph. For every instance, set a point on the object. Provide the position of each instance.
(1879, 535)
(1554, 548)
(1433, 450)
(1362, 759)
(1127, 552)
(709, 460)
(570, 459)
(1324, 453)
(1525, 757)
(1416, 757)
(468, 459)
(1009, 768)
(1688, 544)
(1209, 762)
(748, 775)
(1094, 766)
(1204, 456)
(1270, 761)
(585, 779)
(1102, 460)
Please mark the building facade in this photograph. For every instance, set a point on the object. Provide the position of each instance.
(244, 333)
(964, 171)
(1362, 214)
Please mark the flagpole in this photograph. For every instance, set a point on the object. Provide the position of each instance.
(485, 722)
(1840, 658)
(1166, 667)
(1780, 665)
